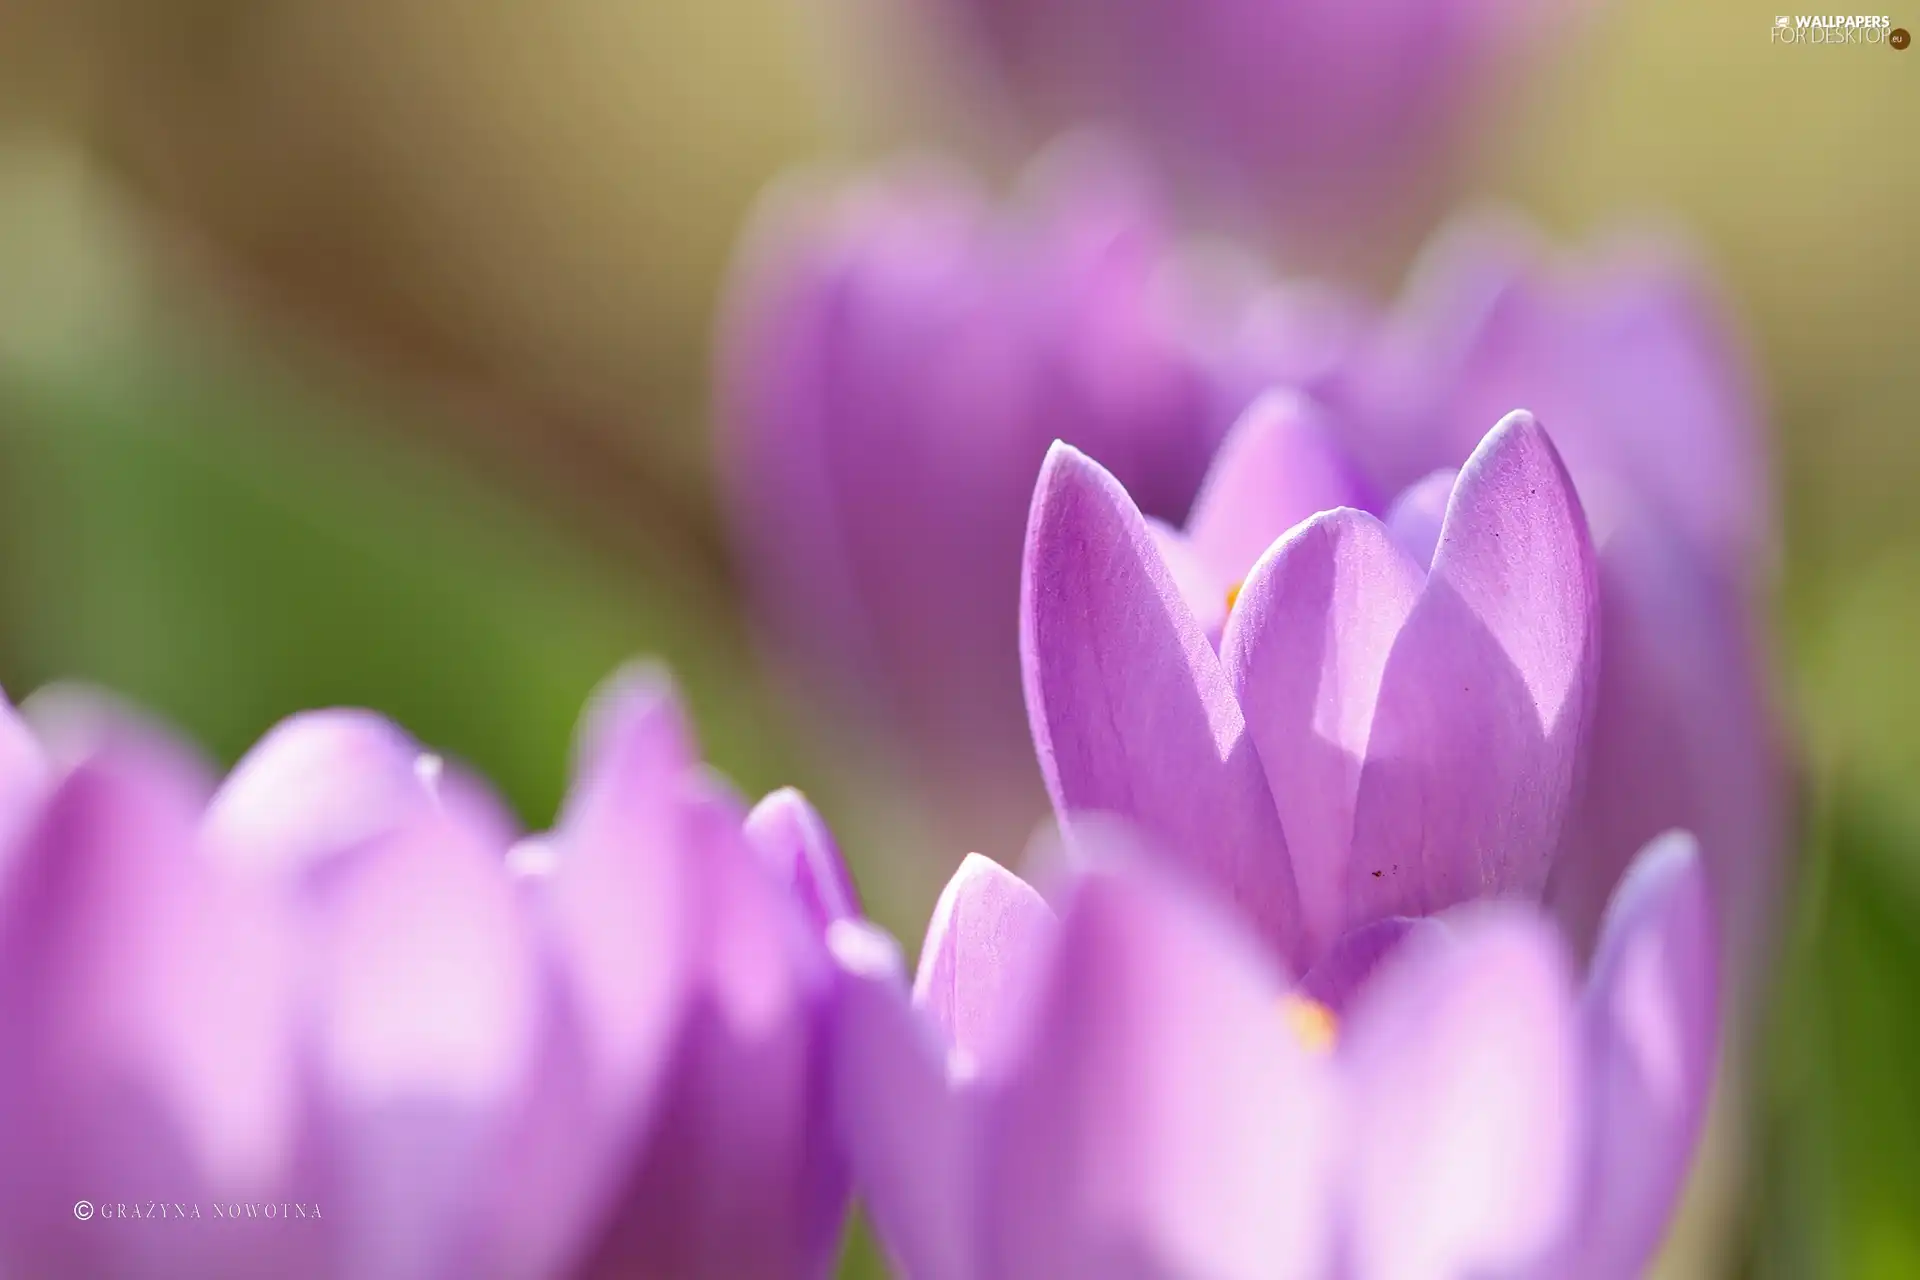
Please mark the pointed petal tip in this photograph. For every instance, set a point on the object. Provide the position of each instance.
(1519, 430)
(983, 941)
(1669, 854)
(977, 883)
(1273, 412)
(1279, 464)
(865, 950)
(636, 710)
(1653, 1011)
(1067, 478)
(1065, 467)
(793, 838)
(639, 687)
(318, 783)
(1668, 874)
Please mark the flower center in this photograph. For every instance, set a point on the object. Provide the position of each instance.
(1233, 594)
(1312, 1023)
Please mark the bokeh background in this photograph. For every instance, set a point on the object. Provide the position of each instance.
(356, 351)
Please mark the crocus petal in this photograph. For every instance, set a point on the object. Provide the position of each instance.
(1305, 651)
(148, 1048)
(1130, 710)
(430, 1024)
(611, 890)
(1652, 1015)
(1417, 514)
(1483, 708)
(1683, 738)
(1162, 1119)
(789, 833)
(1354, 957)
(1204, 590)
(1464, 1060)
(23, 767)
(903, 1118)
(318, 783)
(740, 1174)
(985, 947)
(1279, 465)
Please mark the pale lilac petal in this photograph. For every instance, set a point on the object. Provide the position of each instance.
(1279, 465)
(550, 1184)
(1204, 590)
(1130, 710)
(740, 1173)
(905, 1122)
(985, 947)
(611, 886)
(431, 1021)
(1652, 1016)
(1415, 518)
(1162, 1120)
(23, 768)
(1683, 738)
(1464, 1058)
(75, 722)
(1305, 650)
(319, 783)
(632, 733)
(148, 1044)
(791, 835)
(1484, 707)
(1354, 957)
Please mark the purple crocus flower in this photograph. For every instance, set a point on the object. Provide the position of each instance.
(1132, 1087)
(1314, 109)
(339, 985)
(894, 364)
(1628, 361)
(1394, 719)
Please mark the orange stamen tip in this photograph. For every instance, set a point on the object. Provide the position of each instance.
(1233, 594)
(1313, 1024)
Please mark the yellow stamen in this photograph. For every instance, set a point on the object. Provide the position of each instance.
(1313, 1023)
(1233, 594)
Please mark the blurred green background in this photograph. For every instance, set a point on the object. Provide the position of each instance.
(354, 351)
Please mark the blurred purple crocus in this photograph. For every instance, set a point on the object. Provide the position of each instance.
(341, 986)
(1315, 110)
(1132, 1087)
(894, 363)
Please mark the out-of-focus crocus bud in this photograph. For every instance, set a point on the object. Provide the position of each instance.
(895, 361)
